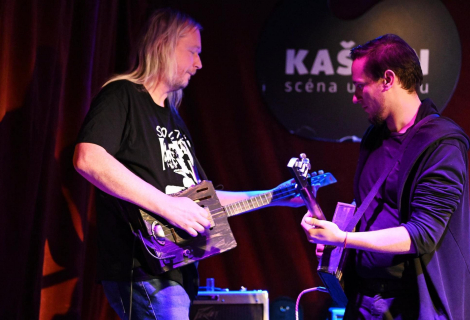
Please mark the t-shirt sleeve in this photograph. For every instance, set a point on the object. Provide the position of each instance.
(437, 195)
(105, 123)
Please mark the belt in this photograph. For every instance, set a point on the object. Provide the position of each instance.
(373, 286)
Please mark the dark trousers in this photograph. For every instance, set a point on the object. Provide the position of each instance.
(383, 299)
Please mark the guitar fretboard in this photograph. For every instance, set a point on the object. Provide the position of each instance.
(260, 200)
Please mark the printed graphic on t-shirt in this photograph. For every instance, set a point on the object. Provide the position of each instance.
(176, 156)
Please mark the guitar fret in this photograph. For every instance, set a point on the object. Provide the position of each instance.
(246, 204)
(228, 209)
(266, 198)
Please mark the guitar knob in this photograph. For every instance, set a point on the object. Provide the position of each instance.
(321, 172)
(187, 253)
(314, 173)
(157, 230)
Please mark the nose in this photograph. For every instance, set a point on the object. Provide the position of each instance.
(197, 62)
(355, 99)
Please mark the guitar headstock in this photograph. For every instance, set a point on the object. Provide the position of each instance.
(300, 171)
(321, 179)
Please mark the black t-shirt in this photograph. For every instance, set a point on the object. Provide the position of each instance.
(152, 142)
(382, 213)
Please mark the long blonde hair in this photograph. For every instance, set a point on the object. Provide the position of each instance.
(155, 60)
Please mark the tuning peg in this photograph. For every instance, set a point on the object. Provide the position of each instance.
(305, 161)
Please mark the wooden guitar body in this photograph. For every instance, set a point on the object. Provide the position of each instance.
(166, 247)
(178, 248)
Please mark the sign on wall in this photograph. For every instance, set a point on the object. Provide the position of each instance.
(304, 70)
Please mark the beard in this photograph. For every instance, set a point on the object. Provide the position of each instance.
(377, 119)
(179, 83)
(180, 80)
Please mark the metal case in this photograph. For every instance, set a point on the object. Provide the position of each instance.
(231, 305)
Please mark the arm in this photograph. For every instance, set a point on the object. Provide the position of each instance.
(227, 197)
(438, 194)
(105, 172)
(391, 240)
(435, 198)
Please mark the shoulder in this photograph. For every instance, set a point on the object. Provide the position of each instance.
(118, 92)
(441, 130)
(435, 140)
(121, 88)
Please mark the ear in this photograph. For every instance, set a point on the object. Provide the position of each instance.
(389, 79)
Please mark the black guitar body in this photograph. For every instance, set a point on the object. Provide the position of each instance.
(333, 259)
(330, 271)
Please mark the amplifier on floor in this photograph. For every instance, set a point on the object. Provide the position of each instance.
(231, 305)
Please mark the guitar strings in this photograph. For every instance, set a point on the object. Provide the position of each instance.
(220, 210)
(278, 194)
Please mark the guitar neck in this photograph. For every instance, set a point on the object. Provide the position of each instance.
(312, 204)
(260, 200)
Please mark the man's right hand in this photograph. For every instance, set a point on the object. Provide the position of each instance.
(185, 214)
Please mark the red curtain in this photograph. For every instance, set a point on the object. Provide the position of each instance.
(55, 55)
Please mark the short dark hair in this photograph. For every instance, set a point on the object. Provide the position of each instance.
(391, 52)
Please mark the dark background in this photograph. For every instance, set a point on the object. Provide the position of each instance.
(55, 55)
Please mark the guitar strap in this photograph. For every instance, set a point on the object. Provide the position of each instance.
(370, 196)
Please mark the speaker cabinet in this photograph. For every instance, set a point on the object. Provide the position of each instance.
(230, 305)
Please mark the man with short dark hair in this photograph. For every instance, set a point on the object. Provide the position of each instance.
(412, 245)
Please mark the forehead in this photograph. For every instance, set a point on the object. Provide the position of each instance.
(192, 38)
(357, 70)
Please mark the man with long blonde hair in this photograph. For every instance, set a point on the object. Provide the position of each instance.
(135, 148)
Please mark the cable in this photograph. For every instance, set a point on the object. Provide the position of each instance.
(322, 289)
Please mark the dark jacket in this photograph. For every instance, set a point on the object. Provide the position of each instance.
(434, 208)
